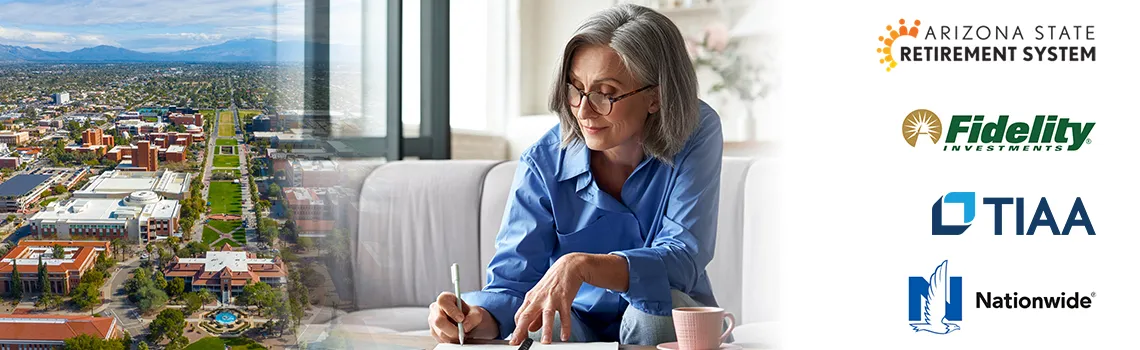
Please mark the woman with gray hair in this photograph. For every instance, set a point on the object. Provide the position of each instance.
(613, 213)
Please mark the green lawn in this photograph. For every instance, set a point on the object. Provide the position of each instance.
(226, 142)
(226, 124)
(240, 236)
(225, 226)
(247, 114)
(217, 149)
(215, 343)
(224, 161)
(223, 242)
(225, 197)
(45, 202)
(209, 236)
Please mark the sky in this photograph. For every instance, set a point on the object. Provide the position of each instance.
(162, 25)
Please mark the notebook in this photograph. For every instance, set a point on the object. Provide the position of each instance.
(533, 346)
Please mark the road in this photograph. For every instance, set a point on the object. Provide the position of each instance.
(118, 306)
(207, 170)
(247, 207)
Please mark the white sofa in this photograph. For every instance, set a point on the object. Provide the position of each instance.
(418, 217)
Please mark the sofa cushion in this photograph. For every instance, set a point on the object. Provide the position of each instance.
(762, 263)
(725, 268)
(496, 191)
(416, 219)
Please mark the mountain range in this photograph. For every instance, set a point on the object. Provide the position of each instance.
(242, 50)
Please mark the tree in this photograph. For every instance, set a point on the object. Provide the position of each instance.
(175, 288)
(193, 303)
(168, 325)
(165, 256)
(45, 284)
(207, 297)
(160, 280)
(17, 290)
(305, 243)
(86, 296)
(11, 218)
(94, 276)
(57, 251)
(178, 343)
(88, 342)
(58, 189)
(274, 190)
(50, 301)
(143, 346)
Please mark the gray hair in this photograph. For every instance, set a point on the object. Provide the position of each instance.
(653, 50)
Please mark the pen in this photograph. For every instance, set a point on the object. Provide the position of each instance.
(458, 300)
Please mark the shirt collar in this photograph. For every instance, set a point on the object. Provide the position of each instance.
(575, 161)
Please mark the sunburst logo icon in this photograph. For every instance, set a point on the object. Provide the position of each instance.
(890, 39)
(921, 124)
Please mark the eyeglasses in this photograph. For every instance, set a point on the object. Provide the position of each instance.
(601, 104)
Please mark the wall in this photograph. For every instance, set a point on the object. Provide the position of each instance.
(545, 28)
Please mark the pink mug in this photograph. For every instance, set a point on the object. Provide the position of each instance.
(699, 328)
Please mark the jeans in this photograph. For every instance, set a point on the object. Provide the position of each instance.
(637, 328)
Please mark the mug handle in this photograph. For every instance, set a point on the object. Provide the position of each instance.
(731, 326)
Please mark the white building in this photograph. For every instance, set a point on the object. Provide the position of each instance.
(60, 98)
(142, 216)
(117, 184)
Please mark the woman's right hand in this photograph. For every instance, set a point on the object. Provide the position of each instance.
(444, 314)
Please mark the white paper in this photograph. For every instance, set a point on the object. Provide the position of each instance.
(534, 346)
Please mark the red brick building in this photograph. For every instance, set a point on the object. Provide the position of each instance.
(186, 119)
(63, 272)
(227, 272)
(10, 162)
(48, 332)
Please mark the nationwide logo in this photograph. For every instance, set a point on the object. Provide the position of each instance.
(1042, 217)
(979, 133)
(1054, 43)
(934, 302)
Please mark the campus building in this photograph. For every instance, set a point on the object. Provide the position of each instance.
(48, 332)
(22, 191)
(14, 138)
(64, 272)
(185, 119)
(142, 216)
(95, 136)
(117, 184)
(312, 173)
(139, 127)
(142, 156)
(227, 271)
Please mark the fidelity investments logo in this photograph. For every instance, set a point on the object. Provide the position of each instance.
(934, 301)
(1042, 216)
(984, 43)
(980, 133)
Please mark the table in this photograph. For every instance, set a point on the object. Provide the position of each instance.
(429, 343)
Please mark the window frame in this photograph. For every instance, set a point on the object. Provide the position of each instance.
(434, 140)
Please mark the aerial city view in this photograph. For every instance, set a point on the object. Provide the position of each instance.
(163, 198)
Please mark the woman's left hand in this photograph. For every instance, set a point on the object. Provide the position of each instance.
(555, 292)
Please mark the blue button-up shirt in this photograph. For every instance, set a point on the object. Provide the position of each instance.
(664, 224)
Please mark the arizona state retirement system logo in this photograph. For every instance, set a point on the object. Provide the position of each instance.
(984, 43)
(979, 133)
(889, 40)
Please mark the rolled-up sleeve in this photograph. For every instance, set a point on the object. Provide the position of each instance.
(523, 247)
(677, 254)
